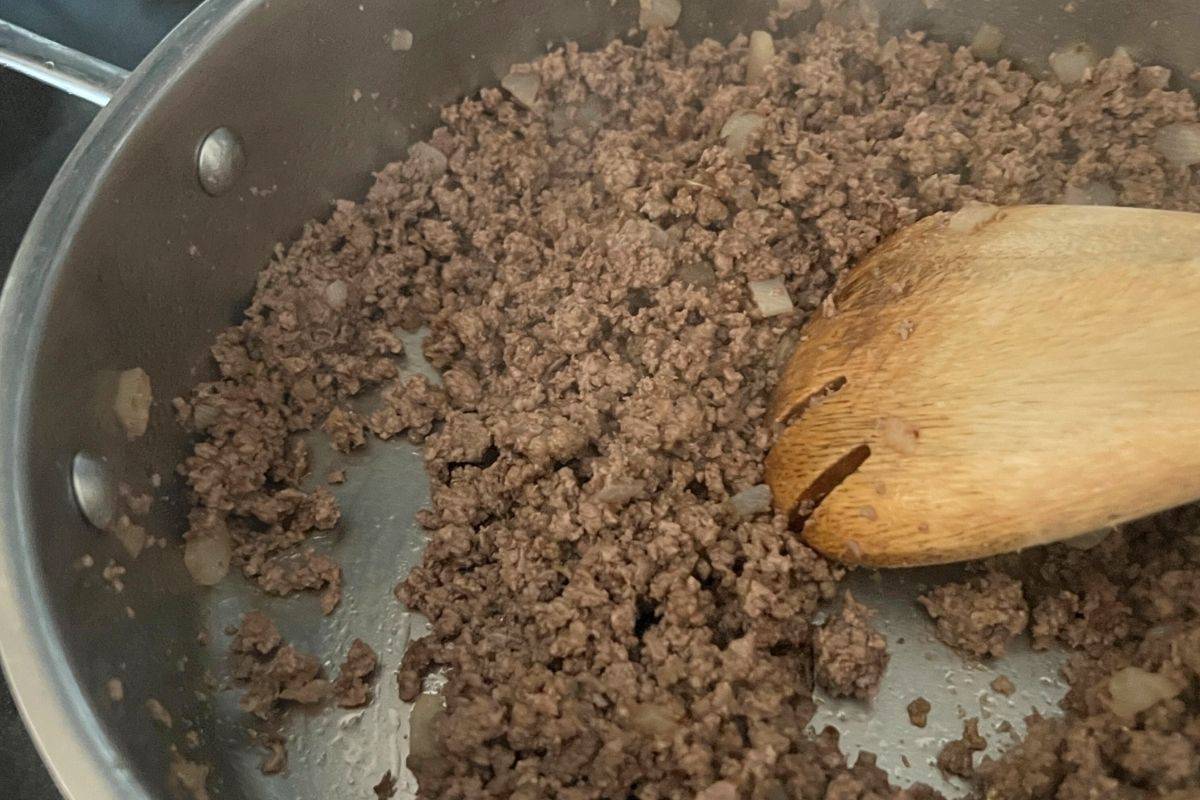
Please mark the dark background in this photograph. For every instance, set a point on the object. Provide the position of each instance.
(38, 128)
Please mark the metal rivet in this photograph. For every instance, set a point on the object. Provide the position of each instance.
(220, 161)
(93, 485)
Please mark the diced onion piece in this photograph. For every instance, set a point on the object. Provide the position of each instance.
(721, 790)
(132, 403)
(401, 39)
(1086, 541)
(1073, 63)
(1179, 143)
(618, 493)
(888, 51)
(653, 719)
(1134, 690)
(336, 294)
(761, 55)
(643, 230)
(771, 297)
(1154, 77)
(658, 13)
(698, 273)
(868, 12)
(424, 750)
(1122, 56)
(204, 416)
(751, 502)
(739, 128)
(131, 536)
(1091, 193)
(986, 42)
(523, 86)
(971, 216)
(187, 778)
(206, 555)
(428, 159)
(785, 8)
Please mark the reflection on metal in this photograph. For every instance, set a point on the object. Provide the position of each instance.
(220, 161)
(61, 67)
(94, 489)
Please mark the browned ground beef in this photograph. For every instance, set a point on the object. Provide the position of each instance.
(956, 756)
(850, 654)
(607, 628)
(978, 616)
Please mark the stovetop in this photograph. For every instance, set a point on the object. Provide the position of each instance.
(38, 128)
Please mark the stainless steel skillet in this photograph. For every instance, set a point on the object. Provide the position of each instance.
(132, 261)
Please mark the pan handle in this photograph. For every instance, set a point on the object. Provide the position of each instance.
(55, 65)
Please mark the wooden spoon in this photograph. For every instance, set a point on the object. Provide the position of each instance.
(994, 379)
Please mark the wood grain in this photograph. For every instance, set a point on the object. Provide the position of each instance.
(1017, 379)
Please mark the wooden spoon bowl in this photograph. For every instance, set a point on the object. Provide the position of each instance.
(994, 379)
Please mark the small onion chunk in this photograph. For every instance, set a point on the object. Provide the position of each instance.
(771, 297)
(401, 39)
(1179, 143)
(888, 51)
(968, 218)
(336, 294)
(698, 273)
(645, 231)
(187, 778)
(204, 416)
(431, 162)
(132, 403)
(739, 129)
(618, 493)
(1091, 193)
(1086, 541)
(786, 8)
(523, 86)
(721, 790)
(751, 502)
(1134, 690)
(131, 535)
(658, 13)
(654, 720)
(986, 42)
(1073, 63)
(206, 556)
(760, 57)
(424, 750)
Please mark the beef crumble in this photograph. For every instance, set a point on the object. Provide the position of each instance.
(979, 616)
(850, 653)
(918, 712)
(273, 673)
(956, 756)
(605, 627)
(1131, 726)
(352, 688)
(1002, 684)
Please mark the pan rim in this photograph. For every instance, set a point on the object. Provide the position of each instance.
(71, 739)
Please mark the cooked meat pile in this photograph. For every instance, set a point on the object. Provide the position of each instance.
(1131, 727)
(610, 625)
(849, 654)
(979, 616)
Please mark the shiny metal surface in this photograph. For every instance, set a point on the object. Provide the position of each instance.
(131, 263)
(63, 68)
(94, 489)
(220, 161)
